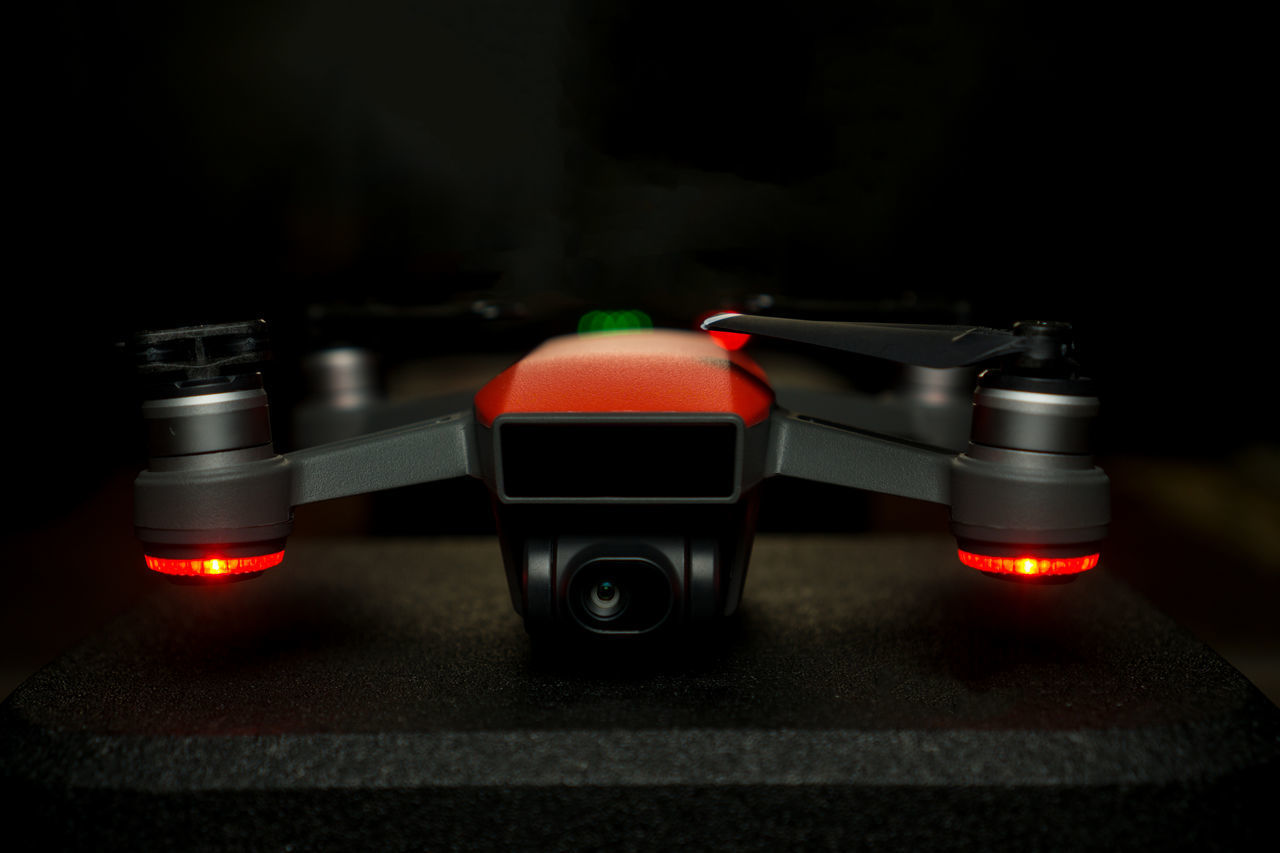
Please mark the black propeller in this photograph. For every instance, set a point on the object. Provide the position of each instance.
(926, 346)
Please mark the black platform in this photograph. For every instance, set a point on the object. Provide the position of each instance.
(383, 695)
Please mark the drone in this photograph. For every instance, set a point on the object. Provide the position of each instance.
(625, 468)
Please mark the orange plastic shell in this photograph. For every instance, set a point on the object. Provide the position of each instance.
(661, 370)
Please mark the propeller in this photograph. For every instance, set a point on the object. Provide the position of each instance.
(1039, 344)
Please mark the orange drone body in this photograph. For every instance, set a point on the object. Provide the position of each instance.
(642, 371)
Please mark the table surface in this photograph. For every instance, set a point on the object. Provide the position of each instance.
(871, 687)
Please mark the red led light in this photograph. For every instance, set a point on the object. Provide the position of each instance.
(1029, 566)
(730, 340)
(727, 340)
(213, 565)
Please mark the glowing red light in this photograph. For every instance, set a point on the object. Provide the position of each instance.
(730, 340)
(727, 340)
(1029, 566)
(213, 565)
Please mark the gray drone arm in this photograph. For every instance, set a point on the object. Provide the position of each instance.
(187, 502)
(440, 449)
(1003, 501)
(808, 449)
(1025, 496)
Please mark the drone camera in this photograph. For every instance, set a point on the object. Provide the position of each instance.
(620, 594)
(621, 585)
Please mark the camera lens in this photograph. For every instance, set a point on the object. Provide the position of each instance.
(620, 595)
(605, 600)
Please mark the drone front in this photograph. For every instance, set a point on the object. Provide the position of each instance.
(625, 469)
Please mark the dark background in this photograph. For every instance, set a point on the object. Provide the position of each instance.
(198, 162)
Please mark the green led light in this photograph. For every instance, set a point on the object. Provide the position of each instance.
(613, 321)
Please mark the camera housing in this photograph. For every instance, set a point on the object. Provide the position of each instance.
(659, 508)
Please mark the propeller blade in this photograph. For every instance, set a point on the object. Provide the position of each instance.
(926, 346)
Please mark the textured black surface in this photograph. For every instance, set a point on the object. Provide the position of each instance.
(873, 691)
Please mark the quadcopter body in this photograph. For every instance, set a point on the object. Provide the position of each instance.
(624, 468)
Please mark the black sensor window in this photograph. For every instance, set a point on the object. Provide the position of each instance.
(618, 460)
